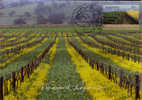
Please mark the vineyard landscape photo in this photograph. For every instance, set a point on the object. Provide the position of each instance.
(70, 50)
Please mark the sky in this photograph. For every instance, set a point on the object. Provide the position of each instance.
(124, 4)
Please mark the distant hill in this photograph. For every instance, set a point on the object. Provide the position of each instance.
(50, 12)
(31, 13)
(54, 12)
(7, 19)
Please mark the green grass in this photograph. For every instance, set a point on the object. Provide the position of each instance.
(44, 29)
(141, 27)
(114, 15)
(120, 31)
(63, 74)
(67, 29)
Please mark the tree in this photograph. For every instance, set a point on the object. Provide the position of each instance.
(1, 4)
(62, 5)
(24, 2)
(27, 14)
(140, 15)
(41, 20)
(14, 4)
(19, 21)
(12, 13)
(56, 18)
(41, 11)
(1, 14)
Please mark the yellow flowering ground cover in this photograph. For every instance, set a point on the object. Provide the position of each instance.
(14, 33)
(89, 37)
(13, 38)
(107, 46)
(10, 47)
(8, 43)
(116, 37)
(30, 41)
(133, 13)
(1, 38)
(129, 64)
(122, 39)
(65, 34)
(24, 51)
(31, 87)
(22, 37)
(99, 87)
(52, 51)
(136, 37)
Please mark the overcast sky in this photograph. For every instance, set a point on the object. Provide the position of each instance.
(106, 2)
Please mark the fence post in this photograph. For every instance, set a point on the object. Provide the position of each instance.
(135, 59)
(97, 64)
(91, 63)
(22, 76)
(137, 87)
(102, 67)
(1, 88)
(128, 56)
(28, 71)
(121, 78)
(13, 81)
(110, 72)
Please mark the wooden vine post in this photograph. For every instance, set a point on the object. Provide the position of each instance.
(141, 84)
(121, 77)
(22, 76)
(109, 72)
(13, 80)
(137, 89)
(1, 88)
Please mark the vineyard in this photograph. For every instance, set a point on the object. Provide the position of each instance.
(121, 17)
(41, 64)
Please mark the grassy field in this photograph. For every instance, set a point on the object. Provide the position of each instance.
(56, 63)
(69, 28)
(127, 27)
(140, 27)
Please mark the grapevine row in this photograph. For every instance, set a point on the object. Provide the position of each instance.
(113, 51)
(14, 79)
(113, 73)
(122, 42)
(136, 51)
(129, 39)
(18, 48)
